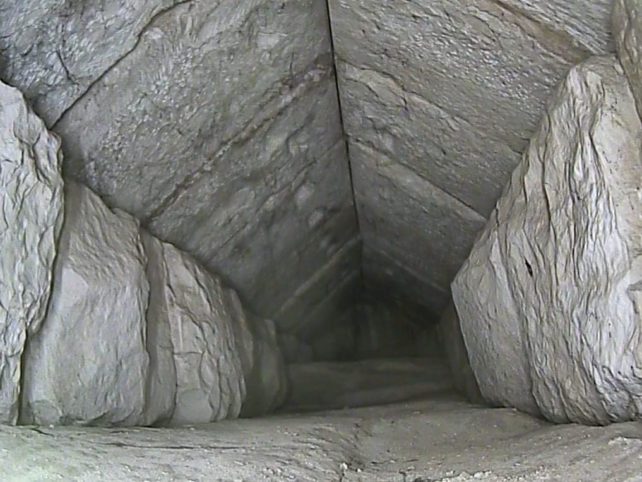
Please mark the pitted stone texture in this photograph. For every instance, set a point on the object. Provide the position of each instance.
(627, 30)
(549, 299)
(209, 374)
(452, 90)
(401, 212)
(88, 363)
(32, 210)
(54, 51)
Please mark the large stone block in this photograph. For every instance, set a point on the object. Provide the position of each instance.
(209, 374)
(161, 379)
(88, 363)
(31, 203)
(627, 30)
(54, 51)
(549, 298)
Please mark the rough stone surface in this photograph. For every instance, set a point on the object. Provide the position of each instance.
(266, 383)
(627, 31)
(32, 210)
(161, 378)
(88, 363)
(549, 298)
(443, 439)
(319, 306)
(55, 51)
(451, 91)
(215, 123)
(209, 374)
(455, 351)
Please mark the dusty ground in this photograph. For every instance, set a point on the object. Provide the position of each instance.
(441, 438)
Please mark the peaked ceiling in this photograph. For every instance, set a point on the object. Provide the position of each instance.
(217, 123)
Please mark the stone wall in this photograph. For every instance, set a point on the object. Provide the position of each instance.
(439, 100)
(215, 123)
(103, 324)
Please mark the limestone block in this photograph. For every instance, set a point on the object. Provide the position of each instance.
(627, 30)
(31, 203)
(549, 298)
(210, 384)
(161, 378)
(88, 364)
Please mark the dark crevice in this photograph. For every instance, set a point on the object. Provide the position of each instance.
(345, 135)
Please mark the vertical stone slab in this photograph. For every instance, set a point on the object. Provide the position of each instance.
(161, 381)
(31, 207)
(210, 384)
(88, 364)
(553, 283)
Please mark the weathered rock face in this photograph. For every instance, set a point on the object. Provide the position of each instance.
(138, 333)
(88, 363)
(31, 203)
(122, 329)
(215, 123)
(549, 299)
(161, 379)
(627, 30)
(209, 376)
(448, 93)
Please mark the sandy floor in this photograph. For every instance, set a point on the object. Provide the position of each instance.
(442, 438)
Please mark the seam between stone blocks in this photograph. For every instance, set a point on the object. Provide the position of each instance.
(345, 137)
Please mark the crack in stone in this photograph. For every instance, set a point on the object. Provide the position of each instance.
(92, 84)
(70, 77)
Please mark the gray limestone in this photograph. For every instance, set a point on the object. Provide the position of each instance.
(627, 30)
(161, 379)
(32, 211)
(421, 229)
(215, 123)
(209, 375)
(549, 299)
(55, 51)
(451, 91)
(88, 364)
